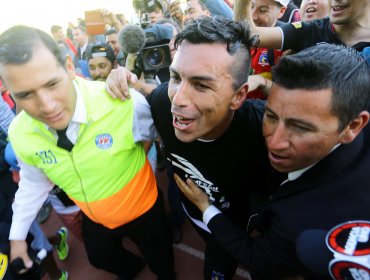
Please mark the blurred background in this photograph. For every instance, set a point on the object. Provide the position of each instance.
(43, 14)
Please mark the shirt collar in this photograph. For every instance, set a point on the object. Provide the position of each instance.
(79, 115)
(296, 174)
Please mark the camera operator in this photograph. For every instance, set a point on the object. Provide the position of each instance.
(196, 8)
(152, 11)
(147, 54)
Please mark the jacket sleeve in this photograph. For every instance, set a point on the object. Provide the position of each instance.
(268, 256)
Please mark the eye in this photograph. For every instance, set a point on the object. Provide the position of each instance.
(23, 95)
(300, 128)
(175, 78)
(103, 66)
(53, 84)
(270, 116)
(200, 86)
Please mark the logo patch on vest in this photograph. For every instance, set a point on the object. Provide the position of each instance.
(104, 141)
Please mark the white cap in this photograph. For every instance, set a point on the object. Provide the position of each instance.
(283, 2)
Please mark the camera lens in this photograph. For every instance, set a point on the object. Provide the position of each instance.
(155, 57)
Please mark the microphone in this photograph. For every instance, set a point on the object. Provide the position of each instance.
(132, 38)
(342, 253)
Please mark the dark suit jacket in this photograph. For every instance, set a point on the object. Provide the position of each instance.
(335, 190)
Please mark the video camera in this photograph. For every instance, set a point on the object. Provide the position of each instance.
(156, 53)
(150, 45)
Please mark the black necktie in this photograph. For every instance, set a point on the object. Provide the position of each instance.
(63, 141)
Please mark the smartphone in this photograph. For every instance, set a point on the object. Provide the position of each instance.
(94, 21)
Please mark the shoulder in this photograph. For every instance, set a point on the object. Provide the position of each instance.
(88, 87)
(249, 116)
(254, 106)
(141, 105)
(138, 98)
(20, 124)
(161, 89)
(158, 95)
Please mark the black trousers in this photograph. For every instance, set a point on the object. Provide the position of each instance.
(151, 232)
(218, 263)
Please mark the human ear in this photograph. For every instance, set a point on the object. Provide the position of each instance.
(354, 128)
(281, 12)
(239, 97)
(69, 65)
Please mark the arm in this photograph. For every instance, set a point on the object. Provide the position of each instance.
(270, 37)
(193, 193)
(18, 249)
(118, 81)
(176, 13)
(33, 190)
(140, 85)
(219, 7)
(259, 82)
(143, 124)
(144, 87)
(111, 19)
(267, 255)
(231, 236)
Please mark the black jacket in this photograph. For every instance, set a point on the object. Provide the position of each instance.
(334, 191)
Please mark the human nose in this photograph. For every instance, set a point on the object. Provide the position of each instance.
(98, 72)
(46, 102)
(254, 15)
(276, 137)
(179, 94)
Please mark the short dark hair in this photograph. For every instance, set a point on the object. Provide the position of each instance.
(18, 43)
(110, 31)
(202, 5)
(55, 28)
(101, 49)
(328, 66)
(235, 35)
(81, 27)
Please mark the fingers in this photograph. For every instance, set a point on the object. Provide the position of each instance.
(193, 193)
(188, 187)
(182, 185)
(133, 79)
(18, 249)
(28, 263)
(125, 78)
(117, 83)
(112, 88)
(131, 61)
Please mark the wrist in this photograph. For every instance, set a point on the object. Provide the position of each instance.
(204, 206)
(263, 84)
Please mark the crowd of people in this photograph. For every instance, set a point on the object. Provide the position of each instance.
(257, 109)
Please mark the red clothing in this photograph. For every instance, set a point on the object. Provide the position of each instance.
(8, 99)
(71, 46)
(6, 96)
(260, 65)
(231, 5)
